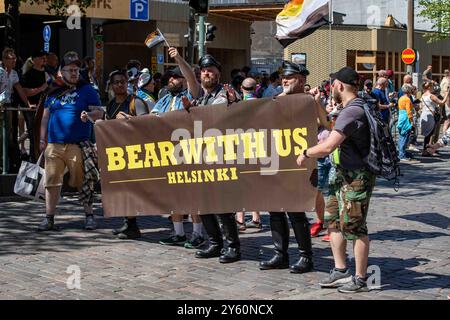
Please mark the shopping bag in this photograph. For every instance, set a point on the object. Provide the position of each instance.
(30, 180)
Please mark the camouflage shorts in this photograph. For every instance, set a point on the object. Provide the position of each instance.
(348, 202)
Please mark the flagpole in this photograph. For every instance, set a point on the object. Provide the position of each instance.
(159, 31)
(330, 34)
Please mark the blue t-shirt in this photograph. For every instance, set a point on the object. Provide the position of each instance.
(381, 97)
(65, 125)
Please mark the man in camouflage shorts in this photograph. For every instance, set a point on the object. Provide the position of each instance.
(348, 203)
(350, 187)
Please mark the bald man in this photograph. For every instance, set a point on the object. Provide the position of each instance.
(383, 101)
(248, 88)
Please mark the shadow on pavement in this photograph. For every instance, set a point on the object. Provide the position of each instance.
(433, 219)
(405, 235)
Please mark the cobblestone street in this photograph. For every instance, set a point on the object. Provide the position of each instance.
(409, 231)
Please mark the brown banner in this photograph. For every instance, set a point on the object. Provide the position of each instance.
(213, 159)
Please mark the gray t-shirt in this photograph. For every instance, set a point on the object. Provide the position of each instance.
(427, 74)
(352, 122)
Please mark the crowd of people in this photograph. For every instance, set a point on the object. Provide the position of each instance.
(67, 95)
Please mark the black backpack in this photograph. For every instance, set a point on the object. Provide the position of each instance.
(383, 158)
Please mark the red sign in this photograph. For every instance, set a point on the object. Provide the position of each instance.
(408, 56)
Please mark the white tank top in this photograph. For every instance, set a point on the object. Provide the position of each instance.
(428, 107)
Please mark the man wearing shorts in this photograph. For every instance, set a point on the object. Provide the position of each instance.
(348, 204)
(65, 122)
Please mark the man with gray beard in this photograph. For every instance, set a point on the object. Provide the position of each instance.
(216, 93)
(293, 81)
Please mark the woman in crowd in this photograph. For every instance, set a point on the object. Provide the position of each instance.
(430, 111)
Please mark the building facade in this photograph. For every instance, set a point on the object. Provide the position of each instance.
(368, 50)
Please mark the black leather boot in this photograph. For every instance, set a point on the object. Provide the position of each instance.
(230, 255)
(129, 230)
(230, 229)
(213, 251)
(280, 237)
(302, 233)
(212, 228)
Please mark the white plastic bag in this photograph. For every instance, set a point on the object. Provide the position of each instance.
(30, 180)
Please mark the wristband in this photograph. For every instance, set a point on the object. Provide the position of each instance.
(305, 153)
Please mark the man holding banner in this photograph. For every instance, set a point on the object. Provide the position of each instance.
(293, 79)
(182, 83)
(216, 93)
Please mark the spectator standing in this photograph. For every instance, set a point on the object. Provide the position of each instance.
(65, 121)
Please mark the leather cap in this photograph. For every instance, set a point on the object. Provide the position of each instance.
(208, 61)
(290, 68)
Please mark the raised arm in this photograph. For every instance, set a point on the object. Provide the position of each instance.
(193, 85)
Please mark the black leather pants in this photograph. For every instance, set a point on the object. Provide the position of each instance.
(280, 232)
(212, 228)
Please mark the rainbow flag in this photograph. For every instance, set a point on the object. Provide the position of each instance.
(300, 18)
(154, 38)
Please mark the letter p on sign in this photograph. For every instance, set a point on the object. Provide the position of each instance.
(139, 10)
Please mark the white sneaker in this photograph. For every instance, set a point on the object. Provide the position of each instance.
(413, 148)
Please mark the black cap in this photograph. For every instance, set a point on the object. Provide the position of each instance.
(290, 68)
(208, 61)
(38, 53)
(175, 72)
(70, 57)
(346, 75)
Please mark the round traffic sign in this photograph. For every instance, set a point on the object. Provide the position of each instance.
(408, 56)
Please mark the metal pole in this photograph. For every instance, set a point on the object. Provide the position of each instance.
(330, 35)
(201, 36)
(191, 37)
(410, 33)
(5, 140)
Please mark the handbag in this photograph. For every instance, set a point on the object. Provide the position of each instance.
(436, 114)
(30, 180)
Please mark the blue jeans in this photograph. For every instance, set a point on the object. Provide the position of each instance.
(402, 142)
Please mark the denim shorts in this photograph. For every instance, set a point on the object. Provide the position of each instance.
(323, 166)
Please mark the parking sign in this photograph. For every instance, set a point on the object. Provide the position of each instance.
(47, 33)
(139, 10)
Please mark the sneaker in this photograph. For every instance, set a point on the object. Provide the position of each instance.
(336, 279)
(413, 148)
(356, 284)
(195, 242)
(405, 159)
(47, 225)
(326, 238)
(241, 226)
(90, 223)
(253, 224)
(316, 228)
(175, 240)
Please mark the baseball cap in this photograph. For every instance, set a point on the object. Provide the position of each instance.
(175, 72)
(70, 57)
(346, 75)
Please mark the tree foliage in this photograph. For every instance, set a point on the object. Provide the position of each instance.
(438, 13)
(59, 7)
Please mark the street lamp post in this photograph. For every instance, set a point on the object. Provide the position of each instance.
(410, 33)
